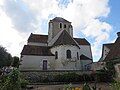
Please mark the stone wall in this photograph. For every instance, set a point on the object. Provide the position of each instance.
(40, 76)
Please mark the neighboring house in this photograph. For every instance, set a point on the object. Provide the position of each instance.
(105, 50)
(114, 54)
(111, 51)
(58, 50)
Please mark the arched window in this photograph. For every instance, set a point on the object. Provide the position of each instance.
(56, 55)
(68, 54)
(60, 25)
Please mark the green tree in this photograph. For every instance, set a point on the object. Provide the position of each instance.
(16, 62)
(12, 81)
(110, 65)
(5, 57)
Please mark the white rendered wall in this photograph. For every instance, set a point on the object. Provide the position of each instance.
(30, 62)
(86, 50)
(85, 63)
(50, 31)
(62, 62)
(105, 52)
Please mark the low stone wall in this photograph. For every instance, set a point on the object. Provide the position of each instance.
(40, 76)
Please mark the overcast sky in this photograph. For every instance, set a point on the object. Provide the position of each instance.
(96, 20)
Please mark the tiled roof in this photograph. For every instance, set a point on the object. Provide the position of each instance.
(114, 52)
(83, 57)
(60, 19)
(38, 38)
(65, 39)
(82, 41)
(36, 50)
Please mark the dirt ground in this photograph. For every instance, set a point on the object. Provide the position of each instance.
(104, 86)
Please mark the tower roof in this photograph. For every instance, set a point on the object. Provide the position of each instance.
(65, 39)
(60, 19)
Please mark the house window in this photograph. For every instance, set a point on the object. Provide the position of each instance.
(60, 25)
(68, 54)
(77, 56)
(56, 55)
(64, 25)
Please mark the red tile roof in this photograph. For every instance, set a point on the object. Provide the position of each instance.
(82, 41)
(36, 50)
(38, 38)
(65, 39)
(114, 52)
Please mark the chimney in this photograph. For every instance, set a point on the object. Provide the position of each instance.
(118, 33)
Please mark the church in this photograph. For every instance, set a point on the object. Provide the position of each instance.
(58, 50)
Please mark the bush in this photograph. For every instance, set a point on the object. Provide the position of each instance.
(68, 77)
(103, 76)
(115, 85)
(23, 83)
(11, 81)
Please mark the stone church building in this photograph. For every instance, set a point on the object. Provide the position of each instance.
(58, 50)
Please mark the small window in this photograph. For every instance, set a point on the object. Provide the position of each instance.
(64, 25)
(68, 54)
(60, 25)
(56, 55)
(77, 56)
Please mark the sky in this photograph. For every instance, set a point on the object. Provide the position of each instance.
(96, 20)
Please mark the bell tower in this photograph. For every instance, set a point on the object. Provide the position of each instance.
(58, 24)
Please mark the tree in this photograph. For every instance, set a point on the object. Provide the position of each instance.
(110, 65)
(12, 81)
(5, 57)
(16, 62)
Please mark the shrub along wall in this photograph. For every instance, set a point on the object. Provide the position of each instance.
(60, 76)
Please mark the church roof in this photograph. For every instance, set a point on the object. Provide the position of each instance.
(36, 50)
(82, 41)
(65, 39)
(83, 57)
(114, 52)
(38, 38)
(60, 19)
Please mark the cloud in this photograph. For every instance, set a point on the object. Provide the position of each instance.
(22, 18)
(9, 37)
(25, 16)
(86, 18)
